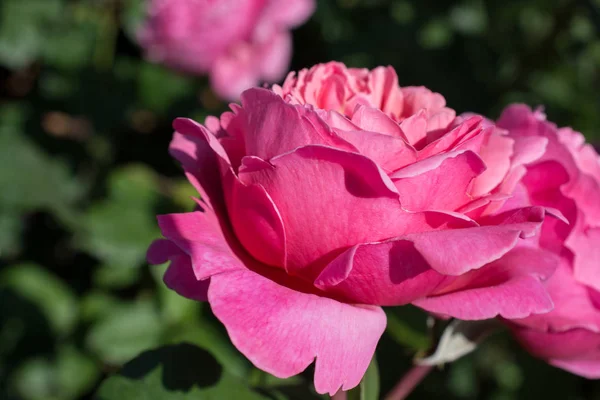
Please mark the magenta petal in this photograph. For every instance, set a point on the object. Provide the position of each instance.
(390, 152)
(179, 275)
(587, 368)
(426, 185)
(528, 220)
(200, 237)
(389, 273)
(257, 222)
(162, 250)
(307, 184)
(585, 244)
(573, 306)
(575, 344)
(282, 330)
(274, 127)
(197, 152)
(454, 252)
(517, 298)
(180, 278)
(510, 287)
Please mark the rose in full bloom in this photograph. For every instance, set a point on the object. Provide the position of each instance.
(338, 193)
(567, 178)
(237, 42)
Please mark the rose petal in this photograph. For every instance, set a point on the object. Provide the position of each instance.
(440, 182)
(282, 330)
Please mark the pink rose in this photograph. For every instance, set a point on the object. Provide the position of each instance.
(567, 178)
(238, 42)
(334, 195)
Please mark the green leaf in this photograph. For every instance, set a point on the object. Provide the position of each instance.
(206, 335)
(119, 229)
(22, 29)
(10, 232)
(116, 277)
(187, 325)
(177, 372)
(50, 294)
(368, 389)
(406, 325)
(125, 332)
(132, 17)
(97, 305)
(66, 377)
(159, 87)
(31, 180)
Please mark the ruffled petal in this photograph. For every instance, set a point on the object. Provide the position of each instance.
(441, 182)
(510, 287)
(274, 127)
(282, 330)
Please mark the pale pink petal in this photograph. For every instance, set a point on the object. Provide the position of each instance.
(420, 98)
(439, 122)
(290, 13)
(372, 119)
(468, 129)
(273, 56)
(234, 72)
(415, 128)
(585, 245)
(496, 154)
(386, 94)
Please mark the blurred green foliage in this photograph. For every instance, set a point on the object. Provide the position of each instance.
(84, 169)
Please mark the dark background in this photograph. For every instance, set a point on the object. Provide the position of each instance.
(84, 169)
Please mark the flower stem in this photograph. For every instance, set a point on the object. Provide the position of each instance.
(409, 382)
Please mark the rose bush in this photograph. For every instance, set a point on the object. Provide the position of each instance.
(340, 192)
(566, 177)
(238, 42)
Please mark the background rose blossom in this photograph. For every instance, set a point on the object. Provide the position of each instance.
(567, 178)
(238, 42)
(336, 194)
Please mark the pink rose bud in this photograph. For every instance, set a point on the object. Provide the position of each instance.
(341, 192)
(237, 42)
(567, 178)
